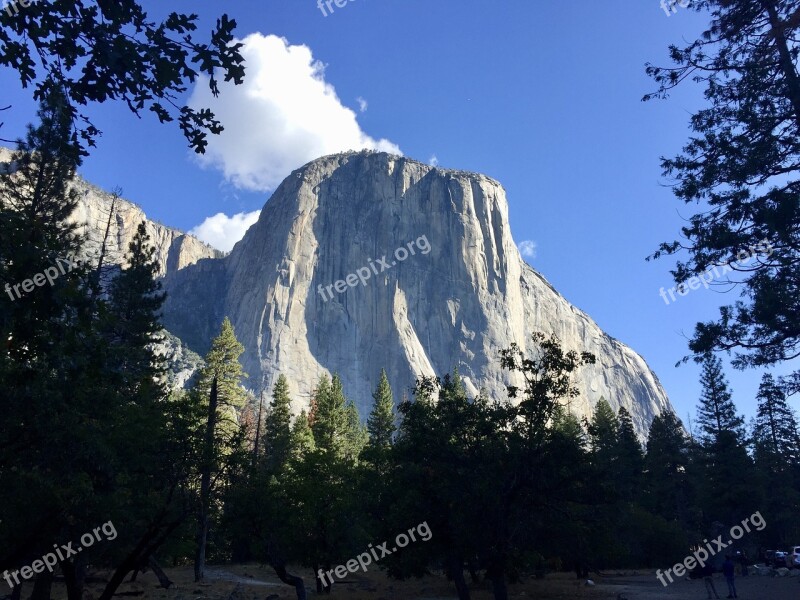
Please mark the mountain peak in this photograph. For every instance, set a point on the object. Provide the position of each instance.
(366, 260)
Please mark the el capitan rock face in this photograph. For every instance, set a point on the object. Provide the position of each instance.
(457, 305)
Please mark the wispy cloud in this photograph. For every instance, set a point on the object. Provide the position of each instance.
(527, 248)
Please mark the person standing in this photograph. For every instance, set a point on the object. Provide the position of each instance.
(728, 570)
(707, 572)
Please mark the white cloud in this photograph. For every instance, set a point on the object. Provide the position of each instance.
(433, 161)
(362, 104)
(222, 231)
(284, 115)
(527, 248)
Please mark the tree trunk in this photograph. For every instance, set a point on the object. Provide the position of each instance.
(16, 592)
(293, 580)
(41, 587)
(258, 428)
(323, 587)
(785, 56)
(455, 570)
(74, 575)
(499, 588)
(496, 574)
(117, 578)
(201, 539)
(473, 566)
(317, 580)
(103, 247)
(159, 572)
(205, 485)
(151, 541)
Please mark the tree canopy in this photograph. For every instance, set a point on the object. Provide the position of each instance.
(95, 51)
(740, 170)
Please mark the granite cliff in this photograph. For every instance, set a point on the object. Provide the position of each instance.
(422, 313)
(174, 249)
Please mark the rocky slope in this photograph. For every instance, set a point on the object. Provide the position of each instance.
(174, 249)
(462, 296)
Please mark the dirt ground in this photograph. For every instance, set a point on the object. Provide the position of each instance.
(253, 582)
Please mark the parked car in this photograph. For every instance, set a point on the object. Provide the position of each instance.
(779, 560)
(793, 557)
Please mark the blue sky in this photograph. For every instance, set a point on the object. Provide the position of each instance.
(543, 96)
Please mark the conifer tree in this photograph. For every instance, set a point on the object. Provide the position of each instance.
(88, 437)
(603, 431)
(357, 435)
(775, 434)
(222, 362)
(36, 237)
(738, 174)
(629, 458)
(381, 423)
(330, 419)
(323, 482)
(135, 299)
(278, 427)
(666, 466)
(726, 474)
(302, 440)
(716, 412)
(217, 395)
(776, 450)
(50, 356)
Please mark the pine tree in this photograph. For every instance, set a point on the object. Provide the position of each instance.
(357, 436)
(217, 395)
(37, 239)
(775, 433)
(302, 440)
(135, 299)
(603, 429)
(381, 423)
(331, 422)
(666, 465)
(775, 441)
(570, 428)
(57, 406)
(629, 458)
(222, 362)
(726, 474)
(716, 412)
(89, 437)
(323, 483)
(278, 427)
(738, 173)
